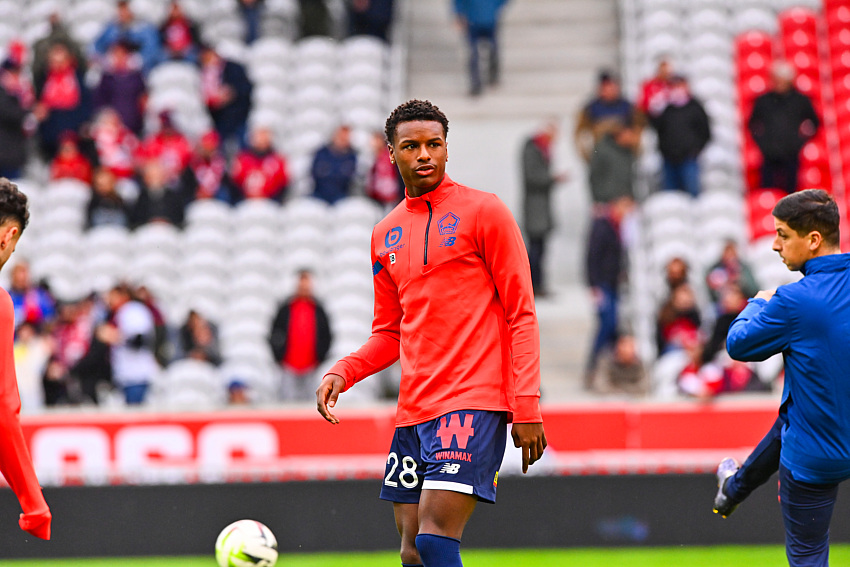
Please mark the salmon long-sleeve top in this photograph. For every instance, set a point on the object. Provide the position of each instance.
(453, 302)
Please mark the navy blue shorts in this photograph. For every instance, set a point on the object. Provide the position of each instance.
(460, 451)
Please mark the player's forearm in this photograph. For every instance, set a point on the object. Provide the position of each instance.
(16, 465)
(749, 339)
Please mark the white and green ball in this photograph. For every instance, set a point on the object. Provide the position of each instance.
(246, 543)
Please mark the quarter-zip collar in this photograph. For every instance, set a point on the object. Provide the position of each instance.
(435, 196)
(828, 263)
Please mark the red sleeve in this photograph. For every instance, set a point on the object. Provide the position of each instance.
(15, 461)
(382, 348)
(507, 260)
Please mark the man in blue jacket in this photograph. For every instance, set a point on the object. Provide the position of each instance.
(480, 19)
(334, 167)
(809, 323)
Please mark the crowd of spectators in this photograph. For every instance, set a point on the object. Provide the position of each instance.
(84, 107)
(695, 313)
(113, 347)
(696, 335)
(83, 112)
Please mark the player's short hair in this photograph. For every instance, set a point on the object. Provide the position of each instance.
(810, 210)
(13, 204)
(413, 110)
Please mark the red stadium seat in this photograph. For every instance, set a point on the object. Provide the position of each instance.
(841, 89)
(760, 203)
(799, 40)
(754, 63)
(840, 62)
(810, 87)
(843, 132)
(842, 110)
(752, 87)
(806, 63)
(814, 153)
(814, 176)
(839, 40)
(837, 14)
(752, 155)
(798, 19)
(754, 42)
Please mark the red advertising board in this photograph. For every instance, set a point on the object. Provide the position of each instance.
(295, 444)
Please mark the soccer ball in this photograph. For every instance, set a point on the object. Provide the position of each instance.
(246, 543)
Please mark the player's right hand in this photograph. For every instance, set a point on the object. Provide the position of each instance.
(329, 390)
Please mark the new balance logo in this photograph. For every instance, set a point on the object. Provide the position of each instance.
(450, 468)
(456, 427)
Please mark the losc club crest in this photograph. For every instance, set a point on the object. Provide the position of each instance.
(448, 227)
(448, 224)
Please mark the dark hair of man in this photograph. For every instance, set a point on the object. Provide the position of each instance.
(13, 204)
(414, 110)
(810, 210)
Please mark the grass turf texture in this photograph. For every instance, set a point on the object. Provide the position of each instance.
(720, 556)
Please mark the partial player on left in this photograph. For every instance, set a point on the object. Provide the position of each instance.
(15, 460)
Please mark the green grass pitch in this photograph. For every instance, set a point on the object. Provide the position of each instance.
(720, 556)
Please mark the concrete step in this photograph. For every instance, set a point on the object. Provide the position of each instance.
(550, 35)
(525, 12)
(503, 105)
(514, 81)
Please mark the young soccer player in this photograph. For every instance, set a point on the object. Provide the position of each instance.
(809, 323)
(454, 301)
(15, 461)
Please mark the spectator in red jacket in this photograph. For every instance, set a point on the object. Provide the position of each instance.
(115, 143)
(655, 91)
(259, 171)
(384, 184)
(179, 35)
(168, 146)
(300, 339)
(70, 161)
(63, 99)
(207, 170)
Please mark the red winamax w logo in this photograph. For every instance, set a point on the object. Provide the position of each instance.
(462, 430)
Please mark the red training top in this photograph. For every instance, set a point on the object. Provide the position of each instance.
(453, 300)
(15, 461)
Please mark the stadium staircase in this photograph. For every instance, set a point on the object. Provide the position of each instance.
(551, 52)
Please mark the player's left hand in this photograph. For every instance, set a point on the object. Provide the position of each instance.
(765, 294)
(532, 439)
(326, 396)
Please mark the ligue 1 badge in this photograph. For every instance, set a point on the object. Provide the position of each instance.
(392, 257)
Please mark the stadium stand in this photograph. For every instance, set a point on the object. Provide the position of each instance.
(231, 263)
(729, 67)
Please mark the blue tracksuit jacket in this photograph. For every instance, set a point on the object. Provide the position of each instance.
(809, 323)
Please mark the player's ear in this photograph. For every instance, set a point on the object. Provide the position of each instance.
(9, 232)
(815, 240)
(392, 153)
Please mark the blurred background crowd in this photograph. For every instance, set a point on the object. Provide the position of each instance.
(204, 177)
